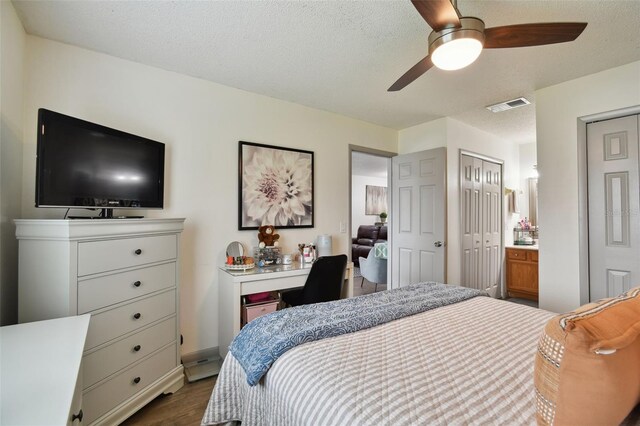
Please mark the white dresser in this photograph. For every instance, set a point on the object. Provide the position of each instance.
(42, 390)
(124, 272)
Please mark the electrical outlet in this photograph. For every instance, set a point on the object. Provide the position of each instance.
(343, 227)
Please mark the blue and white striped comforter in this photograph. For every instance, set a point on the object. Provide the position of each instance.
(262, 341)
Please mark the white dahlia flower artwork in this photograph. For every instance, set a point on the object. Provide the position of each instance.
(277, 187)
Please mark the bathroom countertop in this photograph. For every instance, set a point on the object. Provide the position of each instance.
(515, 246)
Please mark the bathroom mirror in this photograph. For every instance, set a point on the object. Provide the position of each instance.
(235, 249)
(533, 201)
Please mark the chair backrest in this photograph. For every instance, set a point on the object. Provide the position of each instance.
(325, 279)
(373, 268)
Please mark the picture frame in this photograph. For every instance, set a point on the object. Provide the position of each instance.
(275, 187)
(375, 200)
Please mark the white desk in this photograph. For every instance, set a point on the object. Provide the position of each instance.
(40, 371)
(234, 284)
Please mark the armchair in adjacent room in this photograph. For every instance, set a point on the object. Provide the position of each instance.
(373, 269)
(367, 236)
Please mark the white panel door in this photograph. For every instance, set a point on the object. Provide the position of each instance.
(491, 227)
(481, 223)
(614, 206)
(471, 220)
(419, 217)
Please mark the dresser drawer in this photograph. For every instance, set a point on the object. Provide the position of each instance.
(104, 362)
(108, 395)
(115, 322)
(108, 255)
(532, 255)
(99, 292)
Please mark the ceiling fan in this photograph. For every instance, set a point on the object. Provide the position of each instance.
(457, 41)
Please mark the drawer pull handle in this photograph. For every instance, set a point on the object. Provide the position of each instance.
(136, 348)
(137, 284)
(138, 252)
(137, 315)
(78, 416)
(136, 380)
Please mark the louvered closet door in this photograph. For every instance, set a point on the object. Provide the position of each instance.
(614, 206)
(481, 223)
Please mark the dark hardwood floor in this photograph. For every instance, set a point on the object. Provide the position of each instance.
(183, 408)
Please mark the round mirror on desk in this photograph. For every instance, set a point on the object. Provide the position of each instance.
(236, 258)
(235, 249)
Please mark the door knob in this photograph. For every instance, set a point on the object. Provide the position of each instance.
(438, 244)
(78, 416)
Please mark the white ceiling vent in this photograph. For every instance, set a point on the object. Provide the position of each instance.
(513, 103)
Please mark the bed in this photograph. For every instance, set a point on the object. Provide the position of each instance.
(470, 362)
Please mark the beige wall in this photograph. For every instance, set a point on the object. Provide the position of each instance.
(12, 40)
(558, 109)
(455, 135)
(201, 123)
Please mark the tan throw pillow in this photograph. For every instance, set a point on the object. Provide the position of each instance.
(587, 368)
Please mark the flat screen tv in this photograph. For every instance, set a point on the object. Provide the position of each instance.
(86, 165)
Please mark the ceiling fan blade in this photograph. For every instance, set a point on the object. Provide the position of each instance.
(438, 13)
(532, 34)
(408, 77)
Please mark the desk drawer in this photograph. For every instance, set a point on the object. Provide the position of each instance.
(100, 400)
(283, 283)
(108, 255)
(113, 323)
(104, 362)
(100, 292)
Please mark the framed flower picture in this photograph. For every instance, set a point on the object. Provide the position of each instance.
(275, 187)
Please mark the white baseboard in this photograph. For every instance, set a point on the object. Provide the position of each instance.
(201, 364)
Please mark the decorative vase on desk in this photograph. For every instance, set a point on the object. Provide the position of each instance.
(324, 245)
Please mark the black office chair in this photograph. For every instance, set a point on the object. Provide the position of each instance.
(323, 284)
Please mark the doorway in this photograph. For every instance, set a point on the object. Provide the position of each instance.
(369, 195)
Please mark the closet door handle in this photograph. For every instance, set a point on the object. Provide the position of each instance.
(438, 244)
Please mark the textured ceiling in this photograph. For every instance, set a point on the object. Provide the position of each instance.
(341, 56)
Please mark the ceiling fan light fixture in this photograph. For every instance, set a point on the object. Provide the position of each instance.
(455, 48)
